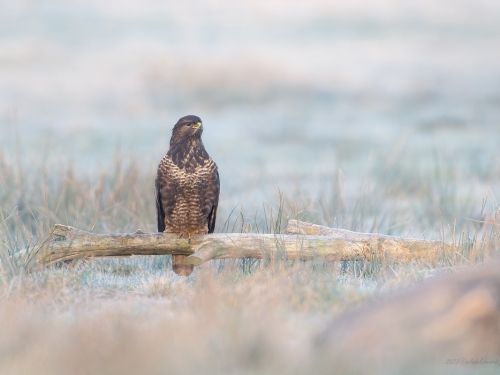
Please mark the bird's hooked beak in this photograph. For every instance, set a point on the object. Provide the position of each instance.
(197, 125)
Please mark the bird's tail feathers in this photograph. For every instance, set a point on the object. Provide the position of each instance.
(180, 266)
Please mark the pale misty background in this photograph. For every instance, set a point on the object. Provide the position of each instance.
(301, 96)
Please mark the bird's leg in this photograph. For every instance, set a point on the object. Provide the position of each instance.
(189, 237)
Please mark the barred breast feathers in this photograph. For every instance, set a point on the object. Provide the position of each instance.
(189, 192)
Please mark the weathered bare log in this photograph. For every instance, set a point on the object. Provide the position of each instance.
(396, 248)
(452, 319)
(66, 243)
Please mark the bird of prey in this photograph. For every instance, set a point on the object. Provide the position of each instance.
(187, 187)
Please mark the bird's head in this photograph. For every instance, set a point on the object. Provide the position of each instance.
(188, 127)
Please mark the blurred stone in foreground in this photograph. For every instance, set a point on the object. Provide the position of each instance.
(452, 324)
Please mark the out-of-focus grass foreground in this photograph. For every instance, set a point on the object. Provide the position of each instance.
(378, 117)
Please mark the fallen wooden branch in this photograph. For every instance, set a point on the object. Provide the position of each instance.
(381, 246)
(308, 242)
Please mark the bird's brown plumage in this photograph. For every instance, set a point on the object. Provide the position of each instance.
(187, 187)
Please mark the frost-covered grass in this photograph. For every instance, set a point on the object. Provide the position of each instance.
(232, 316)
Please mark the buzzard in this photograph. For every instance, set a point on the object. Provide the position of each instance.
(187, 187)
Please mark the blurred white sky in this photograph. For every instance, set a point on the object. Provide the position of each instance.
(65, 62)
